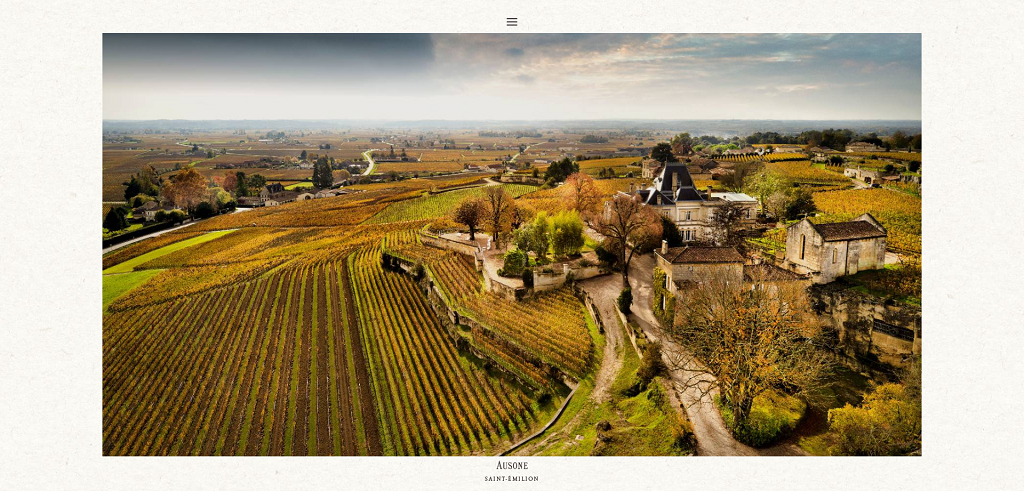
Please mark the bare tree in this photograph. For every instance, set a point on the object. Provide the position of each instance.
(583, 195)
(727, 226)
(745, 339)
(470, 213)
(630, 226)
(499, 206)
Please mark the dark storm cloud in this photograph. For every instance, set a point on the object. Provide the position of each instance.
(267, 55)
(509, 76)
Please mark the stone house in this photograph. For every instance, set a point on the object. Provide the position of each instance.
(827, 251)
(275, 194)
(674, 195)
(695, 264)
(649, 168)
(867, 176)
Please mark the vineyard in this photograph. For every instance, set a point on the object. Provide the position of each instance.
(436, 205)
(263, 367)
(433, 400)
(902, 156)
(549, 328)
(753, 157)
(803, 171)
(288, 338)
(899, 212)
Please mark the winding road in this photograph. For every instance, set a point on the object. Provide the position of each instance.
(713, 437)
(368, 155)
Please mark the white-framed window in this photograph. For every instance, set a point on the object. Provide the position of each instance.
(835, 255)
(687, 215)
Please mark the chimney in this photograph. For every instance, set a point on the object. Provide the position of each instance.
(664, 247)
(709, 192)
(675, 181)
(631, 187)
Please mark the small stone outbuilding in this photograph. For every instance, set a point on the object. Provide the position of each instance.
(695, 264)
(830, 250)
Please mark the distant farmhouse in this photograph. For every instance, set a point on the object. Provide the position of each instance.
(867, 176)
(863, 147)
(830, 250)
(275, 194)
(674, 196)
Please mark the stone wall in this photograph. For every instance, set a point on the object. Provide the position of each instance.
(462, 247)
(876, 333)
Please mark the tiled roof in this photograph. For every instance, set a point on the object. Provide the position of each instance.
(857, 229)
(701, 254)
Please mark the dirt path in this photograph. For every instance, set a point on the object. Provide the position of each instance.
(713, 438)
(603, 290)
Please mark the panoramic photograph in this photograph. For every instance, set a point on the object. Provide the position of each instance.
(511, 245)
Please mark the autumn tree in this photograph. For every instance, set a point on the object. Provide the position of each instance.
(746, 339)
(471, 212)
(186, 189)
(519, 215)
(629, 226)
(499, 205)
(230, 181)
(583, 196)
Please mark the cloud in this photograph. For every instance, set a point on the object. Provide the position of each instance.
(524, 79)
(514, 52)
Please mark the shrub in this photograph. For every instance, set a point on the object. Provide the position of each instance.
(625, 300)
(115, 220)
(651, 365)
(604, 255)
(515, 261)
(528, 278)
(567, 236)
(585, 263)
(887, 423)
(772, 415)
(176, 216)
(205, 210)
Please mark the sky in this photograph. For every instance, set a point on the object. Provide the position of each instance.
(512, 76)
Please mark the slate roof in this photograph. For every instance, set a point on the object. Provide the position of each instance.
(701, 254)
(857, 229)
(674, 168)
(684, 190)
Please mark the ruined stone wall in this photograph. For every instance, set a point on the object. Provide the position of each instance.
(878, 334)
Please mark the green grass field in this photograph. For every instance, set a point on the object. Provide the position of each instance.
(299, 185)
(115, 285)
(129, 265)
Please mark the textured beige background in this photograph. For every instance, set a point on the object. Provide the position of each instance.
(50, 322)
